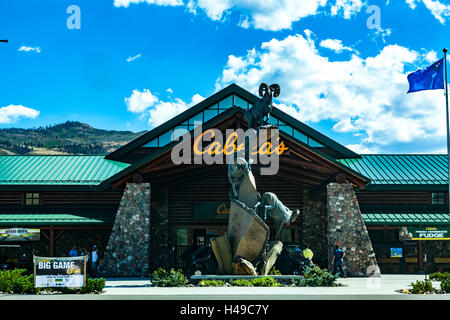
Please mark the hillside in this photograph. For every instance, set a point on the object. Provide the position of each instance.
(70, 137)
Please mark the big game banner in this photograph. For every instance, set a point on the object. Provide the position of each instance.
(59, 272)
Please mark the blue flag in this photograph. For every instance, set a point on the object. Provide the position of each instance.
(429, 79)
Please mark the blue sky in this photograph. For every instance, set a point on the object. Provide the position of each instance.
(133, 64)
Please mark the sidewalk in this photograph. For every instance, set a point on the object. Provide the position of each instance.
(354, 289)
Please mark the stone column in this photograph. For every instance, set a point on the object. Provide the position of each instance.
(314, 225)
(127, 251)
(346, 228)
(160, 248)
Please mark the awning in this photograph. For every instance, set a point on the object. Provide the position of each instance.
(406, 216)
(47, 216)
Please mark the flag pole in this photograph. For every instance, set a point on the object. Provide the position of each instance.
(448, 131)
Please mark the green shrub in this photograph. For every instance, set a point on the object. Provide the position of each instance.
(241, 283)
(93, 285)
(316, 277)
(265, 282)
(445, 285)
(24, 284)
(171, 278)
(439, 276)
(211, 283)
(422, 287)
(275, 272)
(15, 281)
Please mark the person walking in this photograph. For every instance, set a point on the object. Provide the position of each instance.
(73, 252)
(308, 255)
(94, 259)
(337, 262)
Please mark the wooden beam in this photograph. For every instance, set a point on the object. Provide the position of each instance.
(305, 173)
(298, 180)
(306, 165)
(420, 255)
(52, 242)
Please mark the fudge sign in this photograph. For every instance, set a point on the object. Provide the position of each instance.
(59, 272)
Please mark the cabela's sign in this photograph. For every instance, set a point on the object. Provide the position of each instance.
(231, 145)
(211, 210)
(210, 147)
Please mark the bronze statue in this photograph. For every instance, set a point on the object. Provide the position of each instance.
(258, 115)
(246, 248)
(281, 214)
(236, 173)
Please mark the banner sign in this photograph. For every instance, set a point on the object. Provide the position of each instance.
(67, 272)
(424, 233)
(20, 234)
(211, 210)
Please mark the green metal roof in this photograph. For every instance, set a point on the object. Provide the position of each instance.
(406, 215)
(45, 219)
(57, 170)
(56, 216)
(401, 169)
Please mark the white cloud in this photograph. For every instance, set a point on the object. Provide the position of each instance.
(28, 49)
(13, 113)
(439, 10)
(271, 15)
(335, 45)
(365, 97)
(169, 90)
(348, 8)
(126, 3)
(166, 110)
(139, 101)
(129, 59)
(155, 110)
(360, 149)
(431, 56)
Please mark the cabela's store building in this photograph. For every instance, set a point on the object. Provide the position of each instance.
(143, 211)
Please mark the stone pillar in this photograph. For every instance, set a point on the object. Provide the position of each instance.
(127, 251)
(160, 248)
(314, 225)
(346, 228)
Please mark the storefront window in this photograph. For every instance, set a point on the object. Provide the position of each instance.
(165, 138)
(209, 114)
(300, 136)
(182, 237)
(32, 199)
(226, 103)
(313, 143)
(240, 103)
(437, 198)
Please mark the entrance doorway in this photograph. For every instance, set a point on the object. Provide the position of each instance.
(188, 239)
